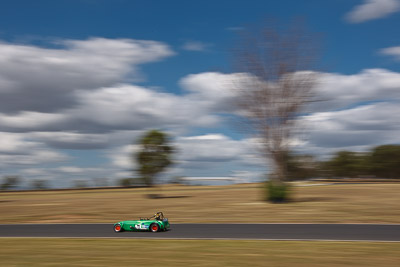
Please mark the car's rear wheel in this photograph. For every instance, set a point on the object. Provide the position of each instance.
(117, 228)
(154, 227)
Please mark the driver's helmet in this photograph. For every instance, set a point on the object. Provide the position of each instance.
(159, 216)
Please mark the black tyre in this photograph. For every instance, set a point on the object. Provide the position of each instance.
(117, 228)
(154, 227)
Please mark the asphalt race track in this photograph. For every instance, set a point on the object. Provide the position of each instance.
(351, 232)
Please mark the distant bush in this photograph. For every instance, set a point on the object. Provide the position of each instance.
(126, 182)
(277, 193)
(10, 182)
(39, 184)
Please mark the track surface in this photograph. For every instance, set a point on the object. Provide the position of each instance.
(215, 231)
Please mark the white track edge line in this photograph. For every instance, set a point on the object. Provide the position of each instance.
(204, 238)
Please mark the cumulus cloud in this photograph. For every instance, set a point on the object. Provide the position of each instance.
(372, 9)
(136, 109)
(213, 155)
(122, 157)
(72, 140)
(44, 80)
(19, 149)
(24, 121)
(338, 91)
(392, 51)
(96, 111)
(209, 148)
(70, 169)
(212, 90)
(355, 129)
(219, 153)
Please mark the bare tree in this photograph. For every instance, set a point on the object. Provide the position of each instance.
(276, 85)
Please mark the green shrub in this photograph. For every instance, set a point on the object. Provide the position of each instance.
(277, 193)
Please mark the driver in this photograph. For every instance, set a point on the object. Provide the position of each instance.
(158, 216)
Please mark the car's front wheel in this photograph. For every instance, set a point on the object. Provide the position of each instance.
(117, 228)
(154, 227)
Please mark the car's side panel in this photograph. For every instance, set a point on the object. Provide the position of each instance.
(139, 225)
(143, 225)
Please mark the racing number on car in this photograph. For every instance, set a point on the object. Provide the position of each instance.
(141, 226)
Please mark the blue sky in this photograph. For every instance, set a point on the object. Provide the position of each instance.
(81, 80)
(208, 22)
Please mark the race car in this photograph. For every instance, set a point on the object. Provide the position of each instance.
(155, 223)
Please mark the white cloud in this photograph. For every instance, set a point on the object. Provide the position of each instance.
(336, 91)
(122, 157)
(209, 148)
(392, 51)
(212, 90)
(70, 169)
(213, 137)
(97, 122)
(29, 120)
(357, 129)
(372, 9)
(44, 80)
(139, 108)
(218, 155)
(217, 150)
(18, 149)
(96, 111)
(72, 140)
(195, 46)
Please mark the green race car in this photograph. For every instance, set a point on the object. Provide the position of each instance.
(154, 224)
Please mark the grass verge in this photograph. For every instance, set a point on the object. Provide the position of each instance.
(341, 203)
(117, 252)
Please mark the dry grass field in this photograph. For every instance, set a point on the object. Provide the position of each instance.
(117, 252)
(335, 203)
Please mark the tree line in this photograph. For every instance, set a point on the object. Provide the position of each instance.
(380, 162)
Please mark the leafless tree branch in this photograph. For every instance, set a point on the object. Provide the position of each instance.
(276, 85)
